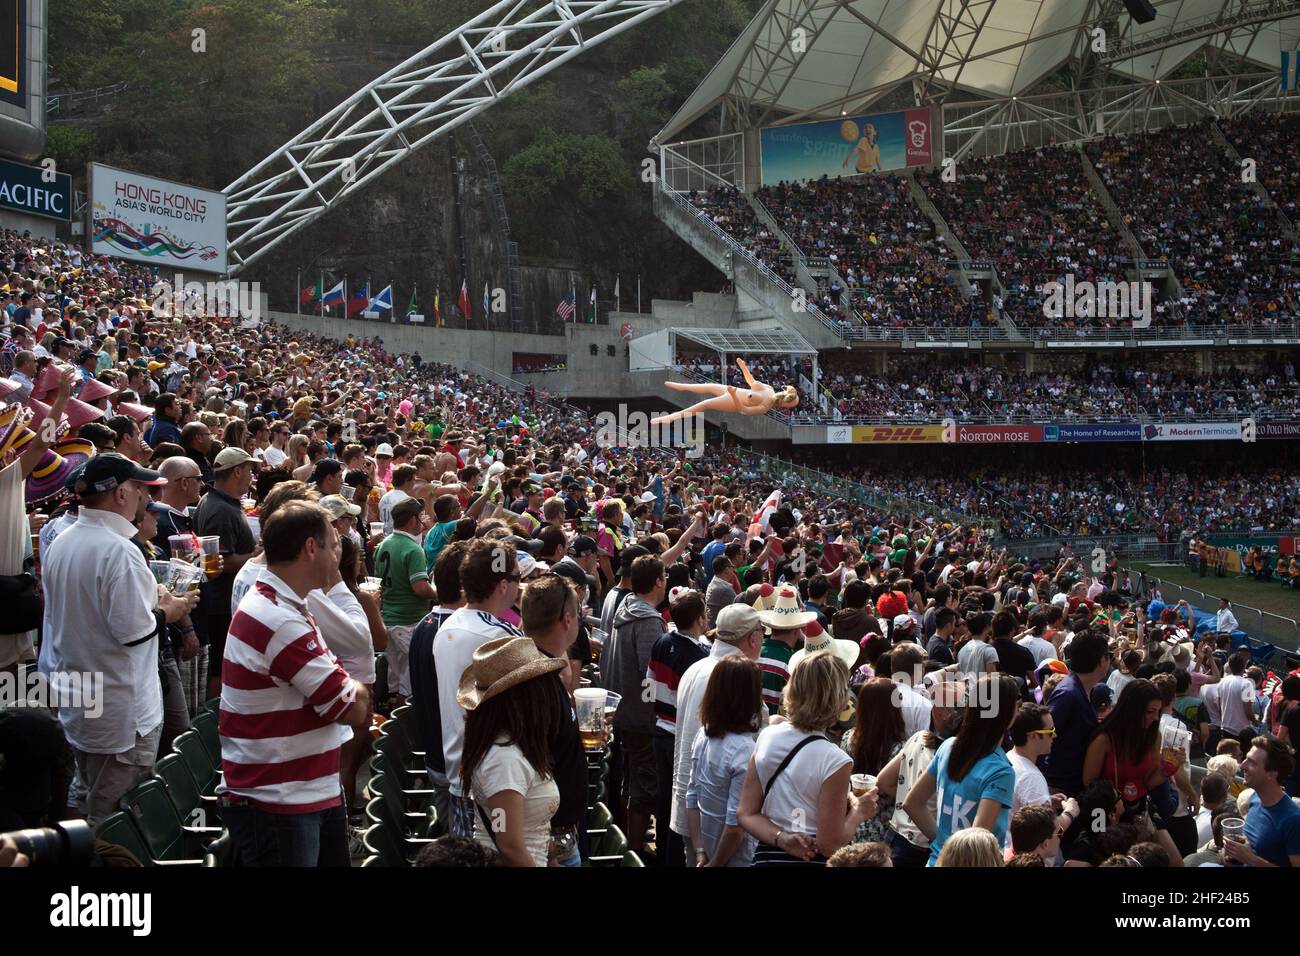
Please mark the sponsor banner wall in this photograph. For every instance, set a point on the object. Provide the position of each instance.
(897, 434)
(1204, 431)
(162, 223)
(998, 434)
(1277, 429)
(848, 146)
(1271, 544)
(1123, 431)
(839, 435)
(25, 189)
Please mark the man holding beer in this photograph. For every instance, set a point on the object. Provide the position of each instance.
(220, 514)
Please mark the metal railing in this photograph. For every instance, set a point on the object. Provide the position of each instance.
(1255, 622)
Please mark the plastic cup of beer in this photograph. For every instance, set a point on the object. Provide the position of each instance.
(376, 529)
(248, 504)
(612, 700)
(590, 705)
(371, 585)
(860, 783)
(211, 548)
(1234, 829)
(183, 546)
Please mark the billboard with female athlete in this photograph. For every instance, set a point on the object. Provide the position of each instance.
(850, 146)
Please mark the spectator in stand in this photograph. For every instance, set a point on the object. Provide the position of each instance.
(1073, 714)
(284, 694)
(400, 565)
(1273, 820)
(105, 617)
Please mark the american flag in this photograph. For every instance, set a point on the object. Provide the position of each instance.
(566, 308)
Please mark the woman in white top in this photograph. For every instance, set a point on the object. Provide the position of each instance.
(513, 702)
(797, 801)
(730, 714)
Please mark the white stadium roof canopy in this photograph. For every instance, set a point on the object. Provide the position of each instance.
(851, 52)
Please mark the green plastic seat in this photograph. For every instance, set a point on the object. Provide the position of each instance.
(599, 817)
(192, 807)
(380, 841)
(221, 852)
(411, 810)
(205, 725)
(190, 749)
(379, 811)
(631, 859)
(607, 846)
(120, 830)
(165, 835)
(413, 775)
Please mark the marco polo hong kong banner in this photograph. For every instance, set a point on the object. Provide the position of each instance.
(897, 434)
(1271, 545)
(848, 146)
(165, 224)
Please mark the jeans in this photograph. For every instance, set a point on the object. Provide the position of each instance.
(288, 839)
(573, 859)
(669, 845)
(904, 852)
(441, 797)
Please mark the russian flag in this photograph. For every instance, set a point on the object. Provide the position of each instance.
(333, 297)
(360, 299)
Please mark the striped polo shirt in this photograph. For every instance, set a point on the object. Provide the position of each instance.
(774, 662)
(282, 693)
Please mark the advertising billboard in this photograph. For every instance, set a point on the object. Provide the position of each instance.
(1193, 431)
(1123, 431)
(897, 434)
(13, 52)
(1277, 430)
(998, 434)
(848, 146)
(25, 189)
(155, 221)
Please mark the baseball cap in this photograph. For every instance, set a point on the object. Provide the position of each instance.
(384, 449)
(404, 510)
(903, 621)
(582, 545)
(85, 354)
(528, 564)
(105, 472)
(735, 621)
(339, 507)
(230, 458)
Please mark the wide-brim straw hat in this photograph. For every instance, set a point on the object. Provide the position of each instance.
(501, 664)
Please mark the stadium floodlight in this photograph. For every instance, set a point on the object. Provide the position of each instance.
(503, 49)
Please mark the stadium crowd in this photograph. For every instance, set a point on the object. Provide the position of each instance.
(1185, 201)
(830, 681)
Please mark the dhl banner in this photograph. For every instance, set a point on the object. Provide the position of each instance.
(897, 434)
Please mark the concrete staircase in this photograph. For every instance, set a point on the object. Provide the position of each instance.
(757, 290)
(958, 249)
(1173, 288)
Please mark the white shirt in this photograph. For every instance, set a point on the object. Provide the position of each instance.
(504, 767)
(916, 709)
(342, 622)
(1040, 647)
(273, 457)
(1225, 621)
(245, 578)
(1232, 689)
(794, 798)
(453, 650)
(100, 597)
(386, 504)
(1031, 786)
(690, 692)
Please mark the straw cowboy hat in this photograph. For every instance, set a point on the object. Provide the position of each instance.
(786, 612)
(815, 639)
(501, 664)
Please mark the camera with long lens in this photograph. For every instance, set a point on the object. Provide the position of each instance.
(69, 843)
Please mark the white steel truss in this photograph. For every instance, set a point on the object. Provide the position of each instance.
(503, 49)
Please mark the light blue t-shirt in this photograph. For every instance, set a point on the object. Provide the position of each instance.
(1274, 832)
(957, 802)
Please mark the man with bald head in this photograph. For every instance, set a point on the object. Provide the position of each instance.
(196, 439)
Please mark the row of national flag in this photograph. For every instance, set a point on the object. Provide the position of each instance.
(320, 300)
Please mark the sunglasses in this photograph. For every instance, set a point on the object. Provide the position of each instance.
(1045, 733)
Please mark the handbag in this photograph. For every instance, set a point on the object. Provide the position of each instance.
(21, 599)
